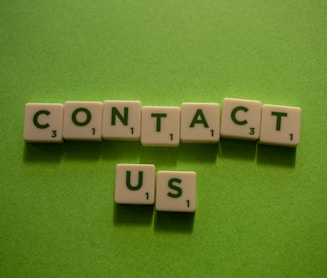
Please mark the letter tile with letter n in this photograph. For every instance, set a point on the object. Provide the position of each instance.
(280, 125)
(121, 120)
(176, 191)
(43, 122)
(240, 119)
(200, 122)
(82, 120)
(160, 126)
(135, 184)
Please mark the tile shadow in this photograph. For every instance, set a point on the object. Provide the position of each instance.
(133, 214)
(121, 150)
(43, 152)
(193, 152)
(82, 150)
(163, 156)
(178, 222)
(276, 155)
(238, 149)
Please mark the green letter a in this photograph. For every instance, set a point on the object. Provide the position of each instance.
(199, 118)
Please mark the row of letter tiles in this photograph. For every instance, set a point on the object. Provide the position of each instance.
(163, 125)
(173, 191)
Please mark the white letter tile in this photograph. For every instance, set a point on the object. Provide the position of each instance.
(43, 122)
(160, 126)
(121, 120)
(176, 191)
(82, 120)
(240, 119)
(135, 184)
(200, 122)
(280, 125)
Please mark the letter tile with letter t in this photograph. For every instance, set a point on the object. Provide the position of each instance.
(82, 120)
(240, 119)
(43, 122)
(175, 191)
(121, 120)
(200, 122)
(135, 184)
(280, 125)
(160, 126)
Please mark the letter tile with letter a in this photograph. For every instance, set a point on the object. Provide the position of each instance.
(135, 184)
(176, 191)
(200, 122)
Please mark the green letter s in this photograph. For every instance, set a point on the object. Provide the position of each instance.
(178, 190)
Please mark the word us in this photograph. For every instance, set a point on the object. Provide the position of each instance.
(163, 125)
(138, 184)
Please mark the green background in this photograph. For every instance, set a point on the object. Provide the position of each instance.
(261, 210)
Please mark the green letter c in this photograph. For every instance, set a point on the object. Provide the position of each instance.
(233, 115)
(36, 116)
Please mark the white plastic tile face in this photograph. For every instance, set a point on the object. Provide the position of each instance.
(121, 120)
(135, 184)
(241, 119)
(200, 122)
(82, 120)
(280, 125)
(160, 126)
(43, 122)
(176, 191)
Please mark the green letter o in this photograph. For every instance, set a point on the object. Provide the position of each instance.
(88, 116)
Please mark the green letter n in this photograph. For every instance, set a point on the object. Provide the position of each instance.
(115, 113)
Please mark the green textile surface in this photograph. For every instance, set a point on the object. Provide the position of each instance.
(261, 210)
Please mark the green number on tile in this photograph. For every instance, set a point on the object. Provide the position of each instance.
(93, 130)
(54, 133)
(171, 136)
(291, 136)
(252, 131)
(188, 203)
(132, 130)
(147, 195)
(212, 132)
